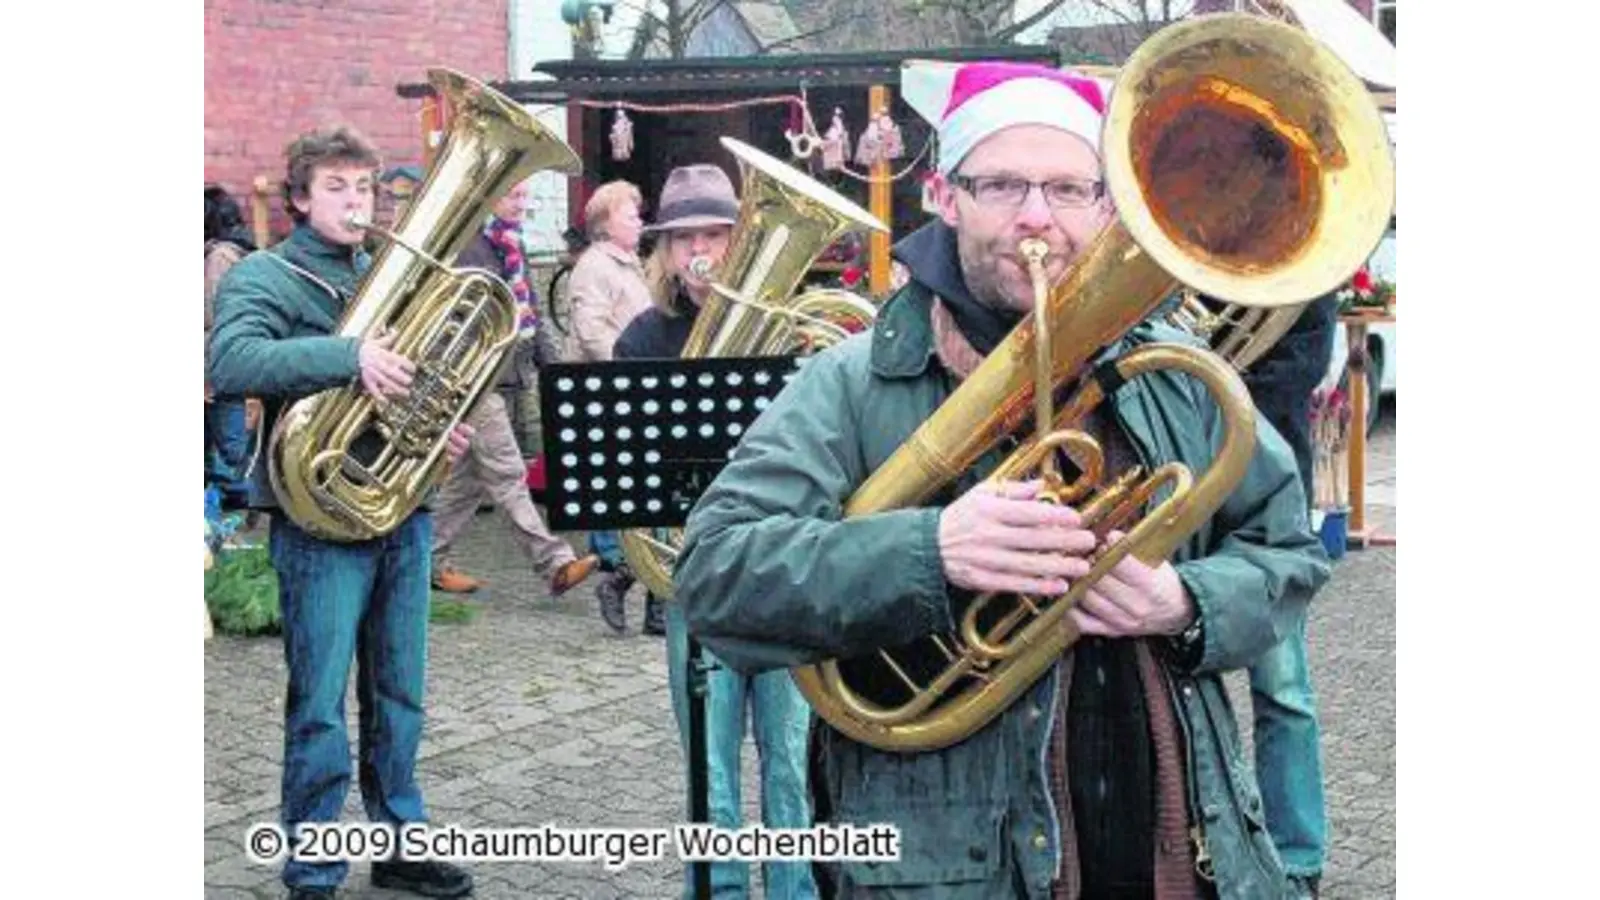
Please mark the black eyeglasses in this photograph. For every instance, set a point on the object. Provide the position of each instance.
(1008, 192)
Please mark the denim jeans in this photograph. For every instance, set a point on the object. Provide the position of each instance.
(227, 449)
(366, 603)
(1289, 754)
(608, 546)
(1287, 734)
(781, 720)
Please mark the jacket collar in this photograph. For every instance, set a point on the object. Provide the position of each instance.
(902, 336)
(621, 256)
(314, 251)
(933, 258)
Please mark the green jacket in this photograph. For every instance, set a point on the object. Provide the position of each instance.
(770, 577)
(273, 335)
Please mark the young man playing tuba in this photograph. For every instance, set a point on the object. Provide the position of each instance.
(364, 602)
(1119, 773)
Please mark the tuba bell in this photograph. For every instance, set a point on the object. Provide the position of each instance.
(1246, 161)
(346, 466)
(786, 220)
(1241, 334)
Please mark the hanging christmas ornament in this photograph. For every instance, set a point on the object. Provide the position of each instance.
(871, 146)
(836, 143)
(621, 136)
(802, 132)
(893, 146)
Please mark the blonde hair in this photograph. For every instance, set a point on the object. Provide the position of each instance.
(605, 200)
(659, 277)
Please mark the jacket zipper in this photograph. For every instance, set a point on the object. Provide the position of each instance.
(1197, 833)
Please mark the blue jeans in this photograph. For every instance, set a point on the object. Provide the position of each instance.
(227, 449)
(365, 602)
(781, 723)
(1289, 754)
(608, 546)
(1287, 734)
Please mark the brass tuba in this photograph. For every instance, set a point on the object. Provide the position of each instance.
(348, 467)
(1245, 160)
(786, 219)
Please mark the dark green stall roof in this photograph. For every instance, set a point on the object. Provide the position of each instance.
(617, 79)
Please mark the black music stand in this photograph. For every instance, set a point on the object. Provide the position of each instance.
(633, 444)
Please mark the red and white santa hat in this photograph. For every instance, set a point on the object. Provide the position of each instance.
(968, 102)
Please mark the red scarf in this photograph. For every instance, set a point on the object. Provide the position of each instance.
(507, 238)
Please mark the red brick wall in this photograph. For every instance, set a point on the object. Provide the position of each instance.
(275, 69)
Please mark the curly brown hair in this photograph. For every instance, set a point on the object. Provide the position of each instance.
(337, 145)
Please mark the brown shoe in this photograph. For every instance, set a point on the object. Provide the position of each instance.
(572, 574)
(454, 581)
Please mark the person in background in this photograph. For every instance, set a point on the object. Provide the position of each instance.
(695, 220)
(228, 423)
(607, 291)
(1288, 734)
(494, 465)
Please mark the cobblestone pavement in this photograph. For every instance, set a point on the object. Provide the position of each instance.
(537, 713)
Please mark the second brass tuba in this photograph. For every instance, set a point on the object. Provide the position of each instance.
(1246, 161)
(786, 220)
(348, 467)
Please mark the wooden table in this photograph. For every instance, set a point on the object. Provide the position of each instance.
(1355, 324)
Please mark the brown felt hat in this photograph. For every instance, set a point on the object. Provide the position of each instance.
(695, 196)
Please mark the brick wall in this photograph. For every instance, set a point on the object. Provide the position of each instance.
(275, 69)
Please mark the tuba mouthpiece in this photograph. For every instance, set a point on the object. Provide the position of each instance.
(700, 267)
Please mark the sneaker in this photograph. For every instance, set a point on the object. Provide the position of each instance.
(613, 593)
(655, 616)
(454, 581)
(428, 879)
(573, 574)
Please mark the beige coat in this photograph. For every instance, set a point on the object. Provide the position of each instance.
(606, 290)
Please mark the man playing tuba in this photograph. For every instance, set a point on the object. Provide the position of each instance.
(1119, 774)
(363, 601)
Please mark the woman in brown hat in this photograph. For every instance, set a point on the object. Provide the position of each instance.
(695, 222)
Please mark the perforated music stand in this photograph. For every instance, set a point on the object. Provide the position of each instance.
(634, 443)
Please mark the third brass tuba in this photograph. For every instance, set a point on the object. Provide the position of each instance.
(786, 220)
(1246, 161)
(348, 467)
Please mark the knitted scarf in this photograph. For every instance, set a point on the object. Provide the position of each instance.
(507, 239)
